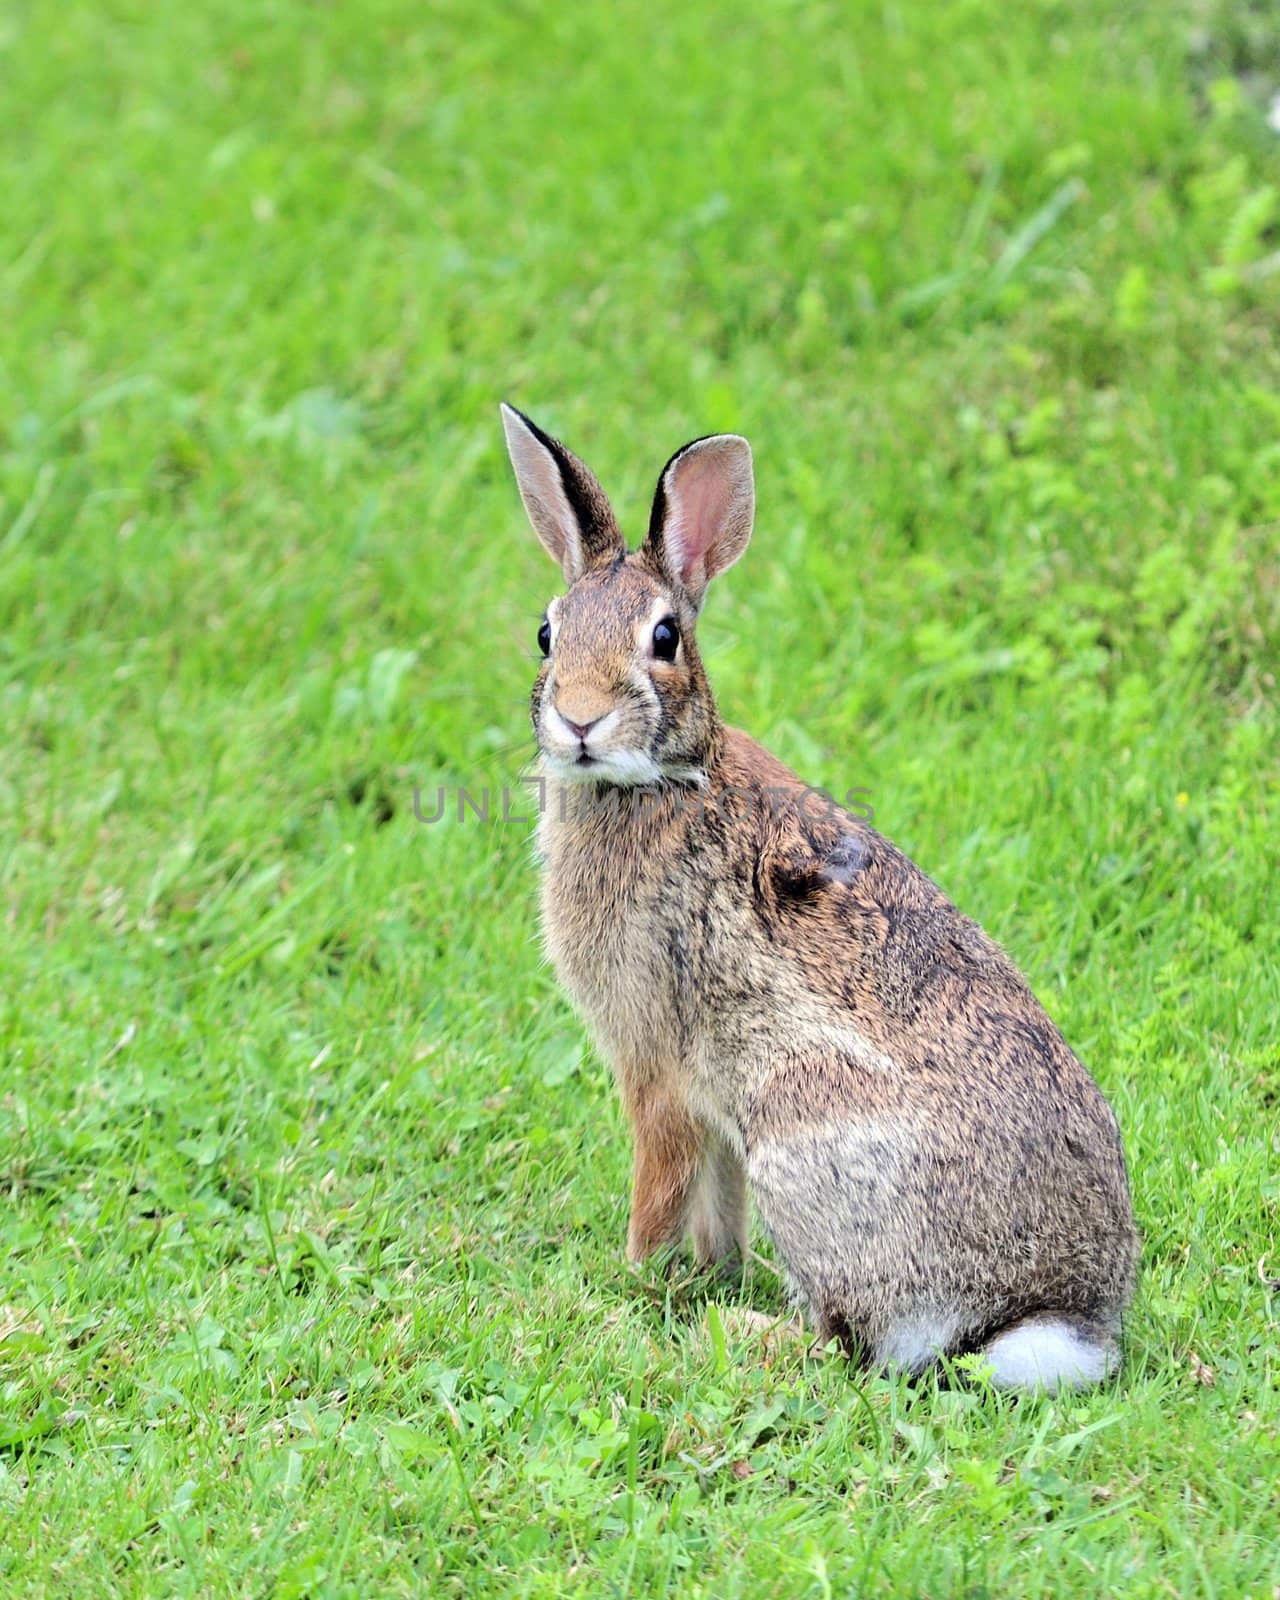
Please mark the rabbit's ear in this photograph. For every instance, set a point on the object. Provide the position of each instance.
(702, 511)
(566, 505)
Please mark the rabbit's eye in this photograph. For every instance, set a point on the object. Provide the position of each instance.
(544, 637)
(666, 639)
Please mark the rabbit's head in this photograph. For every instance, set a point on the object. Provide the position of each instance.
(621, 697)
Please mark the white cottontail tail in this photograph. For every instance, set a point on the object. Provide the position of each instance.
(791, 1006)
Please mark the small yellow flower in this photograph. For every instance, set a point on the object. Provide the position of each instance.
(1182, 800)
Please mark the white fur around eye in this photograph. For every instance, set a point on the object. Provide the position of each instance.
(554, 611)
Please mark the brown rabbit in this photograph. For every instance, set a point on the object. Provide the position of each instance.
(788, 1003)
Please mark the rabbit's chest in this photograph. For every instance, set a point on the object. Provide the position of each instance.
(615, 927)
(610, 943)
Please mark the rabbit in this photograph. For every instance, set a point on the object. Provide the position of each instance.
(790, 1007)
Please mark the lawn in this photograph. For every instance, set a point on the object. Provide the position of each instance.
(312, 1194)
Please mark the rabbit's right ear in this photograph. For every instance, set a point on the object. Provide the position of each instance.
(702, 511)
(567, 507)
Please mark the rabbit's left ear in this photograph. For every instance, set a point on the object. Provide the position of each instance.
(702, 511)
(569, 510)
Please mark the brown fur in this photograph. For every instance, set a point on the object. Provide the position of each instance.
(787, 1001)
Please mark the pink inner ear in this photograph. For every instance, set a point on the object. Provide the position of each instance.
(711, 499)
(701, 501)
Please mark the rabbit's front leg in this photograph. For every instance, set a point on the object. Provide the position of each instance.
(668, 1149)
(718, 1220)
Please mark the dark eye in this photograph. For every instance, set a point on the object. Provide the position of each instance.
(544, 637)
(666, 637)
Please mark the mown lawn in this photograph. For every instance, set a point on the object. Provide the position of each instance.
(313, 1198)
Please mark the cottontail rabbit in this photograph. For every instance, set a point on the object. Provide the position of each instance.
(790, 1006)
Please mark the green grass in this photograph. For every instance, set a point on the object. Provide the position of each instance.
(313, 1197)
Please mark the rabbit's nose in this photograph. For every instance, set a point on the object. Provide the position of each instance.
(581, 708)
